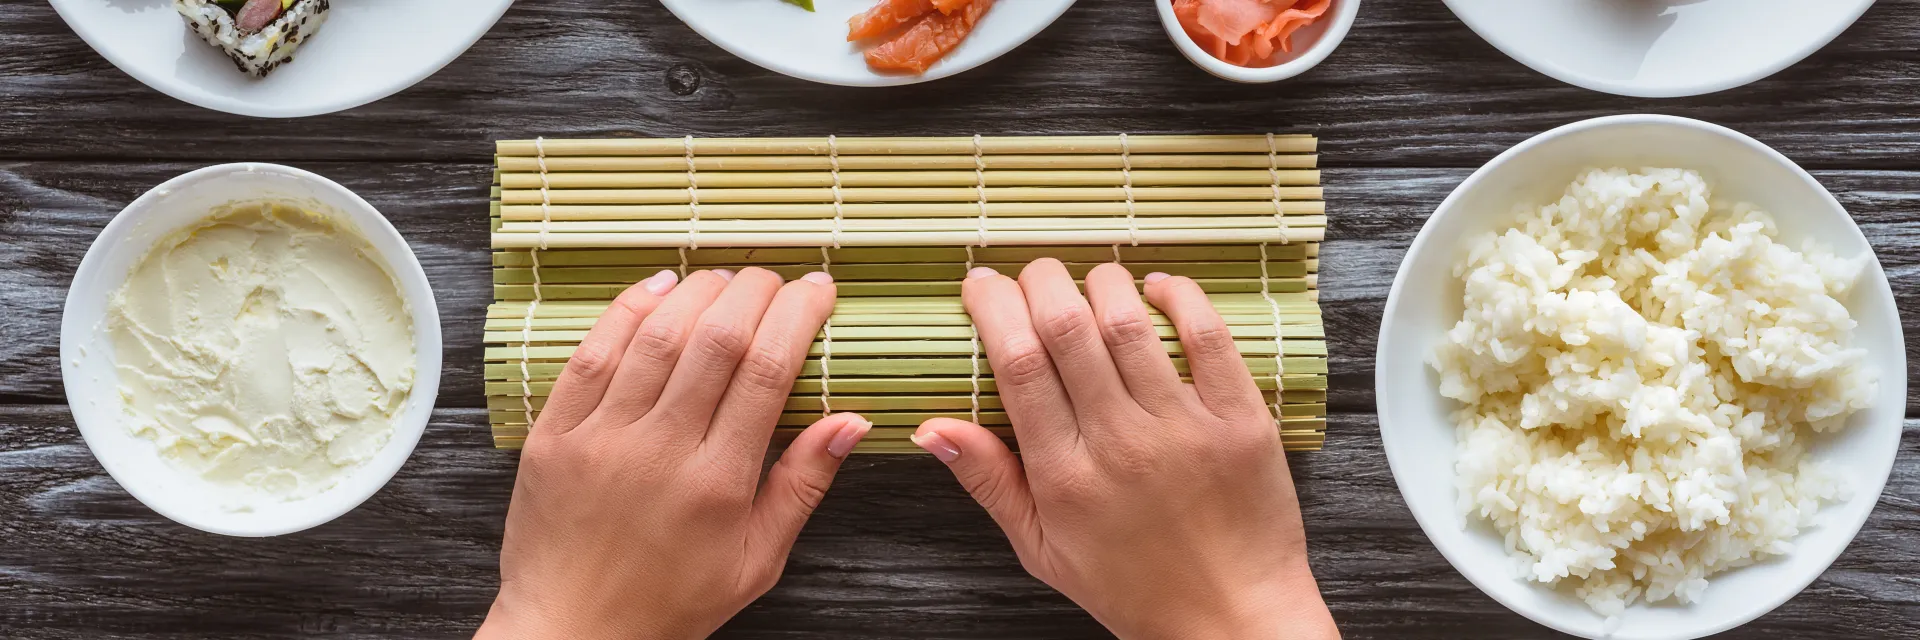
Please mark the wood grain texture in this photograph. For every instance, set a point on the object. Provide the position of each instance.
(1406, 108)
(897, 550)
(1411, 86)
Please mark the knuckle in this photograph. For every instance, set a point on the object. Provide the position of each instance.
(657, 343)
(809, 487)
(627, 304)
(1208, 338)
(721, 341)
(1026, 363)
(591, 360)
(765, 371)
(1066, 327)
(1129, 327)
(986, 487)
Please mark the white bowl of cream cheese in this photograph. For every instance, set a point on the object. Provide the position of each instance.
(250, 349)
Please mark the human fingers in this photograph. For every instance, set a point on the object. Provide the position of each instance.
(991, 474)
(656, 346)
(751, 406)
(1219, 375)
(1036, 402)
(713, 352)
(1132, 341)
(794, 488)
(1064, 322)
(584, 381)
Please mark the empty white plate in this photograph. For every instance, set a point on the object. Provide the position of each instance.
(1658, 48)
(813, 46)
(366, 50)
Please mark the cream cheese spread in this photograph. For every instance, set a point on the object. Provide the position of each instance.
(265, 348)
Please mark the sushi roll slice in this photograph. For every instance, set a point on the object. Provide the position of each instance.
(259, 35)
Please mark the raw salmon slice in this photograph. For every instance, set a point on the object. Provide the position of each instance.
(927, 39)
(949, 6)
(887, 16)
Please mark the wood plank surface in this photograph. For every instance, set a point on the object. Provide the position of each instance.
(898, 550)
(1406, 108)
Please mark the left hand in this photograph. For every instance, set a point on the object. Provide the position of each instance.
(636, 513)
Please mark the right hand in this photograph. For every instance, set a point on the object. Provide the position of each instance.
(1164, 509)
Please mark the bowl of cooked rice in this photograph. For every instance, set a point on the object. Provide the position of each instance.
(1641, 377)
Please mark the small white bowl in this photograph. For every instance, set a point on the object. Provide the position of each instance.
(366, 50)
(1425, 301)
(813, 45)
(1658, 48)
(86, 351)
(1311, 44)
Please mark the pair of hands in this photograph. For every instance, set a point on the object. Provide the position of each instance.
(1163, 508)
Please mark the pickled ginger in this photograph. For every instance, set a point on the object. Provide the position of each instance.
(1246, 33)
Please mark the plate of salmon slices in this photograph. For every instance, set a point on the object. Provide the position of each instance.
(868, 43)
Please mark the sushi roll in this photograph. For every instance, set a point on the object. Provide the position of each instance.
(259, 35)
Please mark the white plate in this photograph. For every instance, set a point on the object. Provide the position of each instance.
(1311, 44)
(1658, 48)
(366, 50)
(1426, 300)
(86, 351)
(813, 46)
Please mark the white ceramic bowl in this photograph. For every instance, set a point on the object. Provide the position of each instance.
(813, 46)
(1311, 44)
(366, 50)
(86, 352)
(1658, 48)
(1426, 300)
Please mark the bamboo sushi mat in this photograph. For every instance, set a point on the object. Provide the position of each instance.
(898, 222)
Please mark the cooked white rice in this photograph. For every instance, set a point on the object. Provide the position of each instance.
(1641, 372)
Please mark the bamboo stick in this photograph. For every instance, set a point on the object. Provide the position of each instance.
(681, 179)
(954, 257)
(891, 272)
(871, 225)
(860, 210)
(1140, 144)
(901, 325)
(902, 194)
(857, 289)
(850, 162)
(906, 238)
(956, 386)
(1227, 304)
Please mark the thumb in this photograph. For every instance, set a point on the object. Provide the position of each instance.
(796, 484)
(990, 472)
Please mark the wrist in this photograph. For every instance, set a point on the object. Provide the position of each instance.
(1287, 608)
(517, 619)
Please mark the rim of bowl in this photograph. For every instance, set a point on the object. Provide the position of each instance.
(782, 67)
(192, 94)
(1583, 81)
(368, 221)
(1427, 520)
(1345, 14)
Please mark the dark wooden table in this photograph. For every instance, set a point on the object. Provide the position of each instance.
(1409, 105)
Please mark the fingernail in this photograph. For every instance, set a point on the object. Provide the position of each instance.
(981, 272)
(1155, 277)
(660, 283)
(849, 435)
(938, 445)
(818, 277)
(725, 274)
